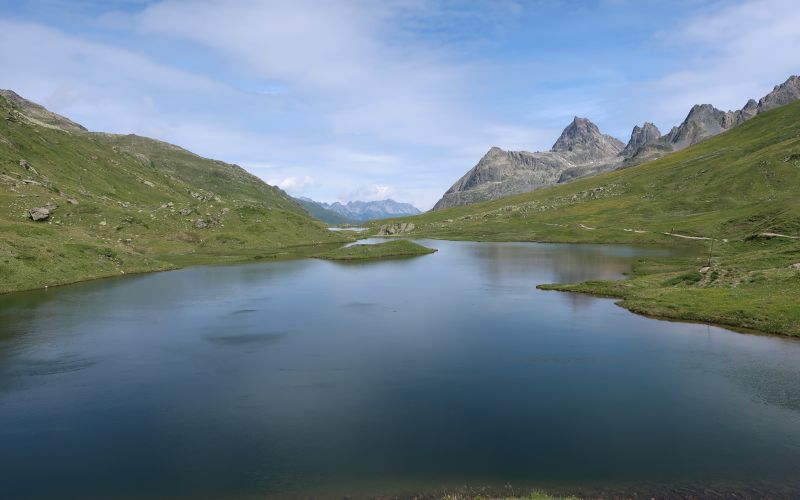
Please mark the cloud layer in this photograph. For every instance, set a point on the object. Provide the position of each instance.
(359, 99)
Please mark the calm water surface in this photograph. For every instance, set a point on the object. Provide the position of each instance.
(313, 377)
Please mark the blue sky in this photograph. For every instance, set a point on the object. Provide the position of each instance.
(344, 100)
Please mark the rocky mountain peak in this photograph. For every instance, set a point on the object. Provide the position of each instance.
(786, 92)
(583, 140)
(580, 131)
(646, 134)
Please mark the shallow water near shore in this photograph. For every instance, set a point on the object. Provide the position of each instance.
(309, 377)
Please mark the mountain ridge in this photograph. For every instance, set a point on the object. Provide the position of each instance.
(360, 211)
(582, 150)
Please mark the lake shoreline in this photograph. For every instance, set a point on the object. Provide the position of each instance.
(611, 289)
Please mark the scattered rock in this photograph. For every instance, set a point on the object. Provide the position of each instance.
(148, 183)
(396, 228)
(27, 166)
(796, 265)
(186, 211)
(39, 213)
(704, 269)
(72, 201)
(205, 223)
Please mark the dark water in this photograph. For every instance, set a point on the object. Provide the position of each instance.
(308, 377)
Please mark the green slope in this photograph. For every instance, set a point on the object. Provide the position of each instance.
(739, 188)
(129, 204)
(388, 250)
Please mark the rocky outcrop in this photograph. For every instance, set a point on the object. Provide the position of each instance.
(788, 91)
(646, 134)
(580, 149)
(42, 213)
(396, 228)
(702, 122)
(39, 115)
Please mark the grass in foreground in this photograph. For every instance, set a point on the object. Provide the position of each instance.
(738, 189)
(388, 250)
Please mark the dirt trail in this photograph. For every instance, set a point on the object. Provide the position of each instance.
(687, 237)
(778, 235)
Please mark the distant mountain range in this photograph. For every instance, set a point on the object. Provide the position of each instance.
(582, 150)
(356, 211)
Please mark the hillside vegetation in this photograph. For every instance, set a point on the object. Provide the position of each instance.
(739, 190)
(111, 204)
(388, 250)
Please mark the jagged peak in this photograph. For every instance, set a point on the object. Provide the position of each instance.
(646, 134)
(579, 131)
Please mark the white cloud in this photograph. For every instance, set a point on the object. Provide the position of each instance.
(373, 192)
(293, 185)
(730, 52)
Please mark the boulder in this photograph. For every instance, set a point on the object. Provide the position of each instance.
(396, 228)
(42, 213)
(206, 223)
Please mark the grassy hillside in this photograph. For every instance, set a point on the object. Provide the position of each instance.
(739, 189)
(129, 204)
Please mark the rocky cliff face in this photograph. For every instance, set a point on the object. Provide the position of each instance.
(583, 150)
(582, 142)
(704, 121)
(646, 134)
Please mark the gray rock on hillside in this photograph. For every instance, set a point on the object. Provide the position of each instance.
(396, 228)
(42, 213)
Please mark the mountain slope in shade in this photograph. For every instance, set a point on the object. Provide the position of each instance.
(582, 150)
(360, 211)
(321, 213)
(76, 205)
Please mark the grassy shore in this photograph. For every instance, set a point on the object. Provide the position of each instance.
(389, 250)
(737, 190)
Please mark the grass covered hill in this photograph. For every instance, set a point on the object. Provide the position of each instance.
(388, 250)
(738, 189)
(111, 204)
